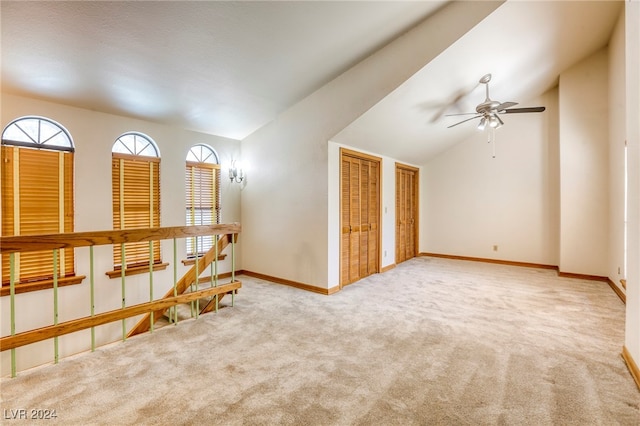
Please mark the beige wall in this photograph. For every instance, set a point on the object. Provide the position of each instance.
(632, 66)
(93, 134)
(285, 201)
(584, 166)
(473, 201)
(617, 132)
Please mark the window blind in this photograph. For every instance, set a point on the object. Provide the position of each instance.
(202, 188)
(37, 198)
(136, 204)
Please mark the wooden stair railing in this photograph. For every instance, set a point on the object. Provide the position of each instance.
(50, 331)
(26, 243)
(184, 283)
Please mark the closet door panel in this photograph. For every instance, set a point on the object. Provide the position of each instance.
(354, 221)
(373, 218)
(345, 237)
(359, 217)
(406, 213)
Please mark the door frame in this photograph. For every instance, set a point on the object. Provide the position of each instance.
(416, 188)
(368, 157)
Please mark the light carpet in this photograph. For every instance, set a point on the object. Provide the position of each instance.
(433, 341)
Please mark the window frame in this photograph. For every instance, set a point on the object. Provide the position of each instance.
(128, 172)
(201, 157)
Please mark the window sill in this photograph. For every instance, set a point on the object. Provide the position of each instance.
(41, 285)
(135, 270)
(192, 261)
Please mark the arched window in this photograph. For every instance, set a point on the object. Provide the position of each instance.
(37, 132)
(135, 178)
(37, 195)
(134, 143)
(202, 188)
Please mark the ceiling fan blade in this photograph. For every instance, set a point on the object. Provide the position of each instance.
(506, 105)
(463, 113)
(464, 121)
(521, 110)
(455, 102)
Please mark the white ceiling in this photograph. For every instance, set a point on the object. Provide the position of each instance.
(224, 68)
(228, 68)
(525, 45)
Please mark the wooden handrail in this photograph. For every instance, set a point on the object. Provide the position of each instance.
(44, 333)
(23, 243)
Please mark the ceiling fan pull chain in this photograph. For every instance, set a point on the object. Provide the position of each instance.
(493, 142)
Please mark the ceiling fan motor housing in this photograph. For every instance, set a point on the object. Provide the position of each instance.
(487, 106)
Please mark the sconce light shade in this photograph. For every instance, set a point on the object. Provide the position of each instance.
(235, 173)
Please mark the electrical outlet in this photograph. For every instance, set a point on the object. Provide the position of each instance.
(385, 253)
(495, 248)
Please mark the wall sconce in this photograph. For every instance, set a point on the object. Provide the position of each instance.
(235, 173)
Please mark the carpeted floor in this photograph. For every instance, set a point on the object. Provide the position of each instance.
(433, 341)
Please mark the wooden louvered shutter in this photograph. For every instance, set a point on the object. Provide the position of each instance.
(37, 198)
(406, 212)
(373, 206)
(136, 204)
(202, 188)
(360, 205)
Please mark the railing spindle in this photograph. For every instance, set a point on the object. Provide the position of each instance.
(216, 271)
(123, 262)
(151, 281)
(175, 280)
(191, 285)
(12, 295)
(197, 281)
(55, 303)
(233, 266)
(93, 298)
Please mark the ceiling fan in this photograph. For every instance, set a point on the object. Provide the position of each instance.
(489, 111)
(454, 103)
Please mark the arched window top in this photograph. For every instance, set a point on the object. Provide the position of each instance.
(37, 132)
(135, 143)
(202, 153)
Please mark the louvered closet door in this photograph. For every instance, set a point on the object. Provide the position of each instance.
(359, 218)
(373, 207)
(406, 212)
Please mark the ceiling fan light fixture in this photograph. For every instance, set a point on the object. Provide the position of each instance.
(482, 124)
(493, 122)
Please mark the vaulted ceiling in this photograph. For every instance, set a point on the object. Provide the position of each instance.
(228, 68)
